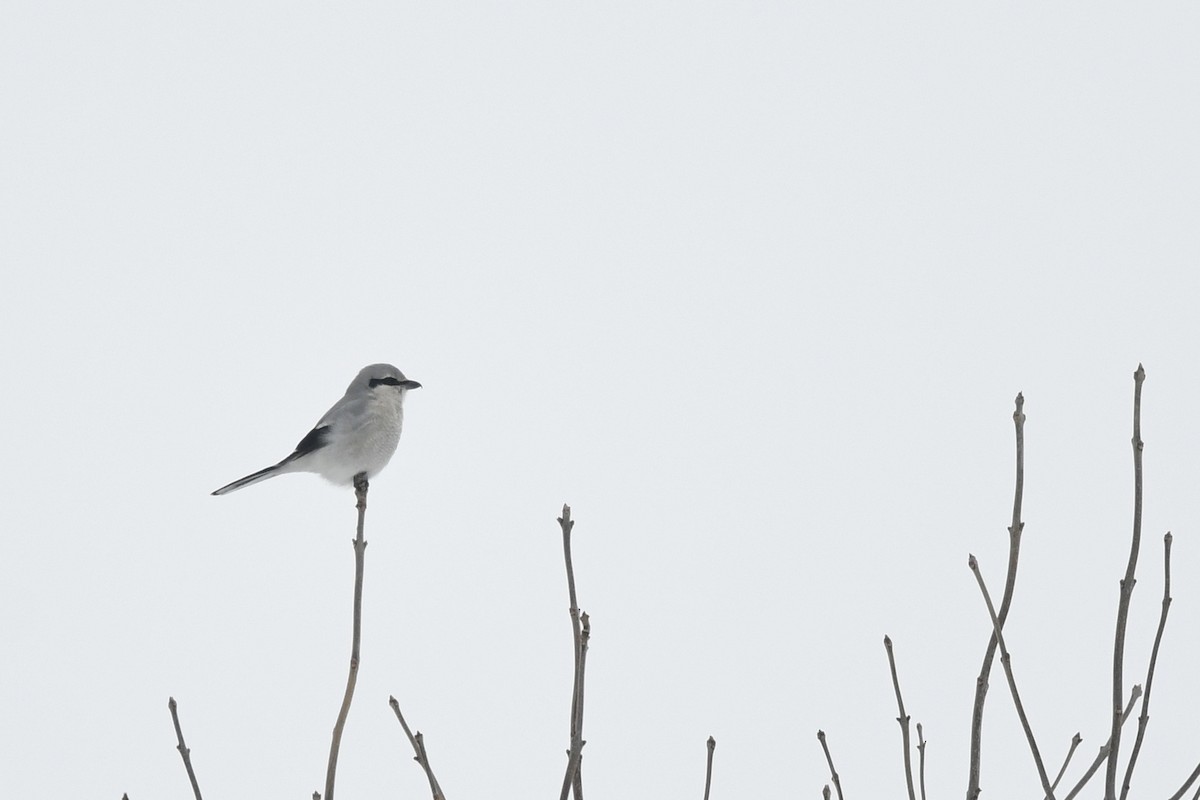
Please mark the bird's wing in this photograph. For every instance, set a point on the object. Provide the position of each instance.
(316, 439)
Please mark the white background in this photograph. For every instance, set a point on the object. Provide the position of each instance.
(751, 286)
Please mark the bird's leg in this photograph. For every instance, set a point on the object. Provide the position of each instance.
(360, 488)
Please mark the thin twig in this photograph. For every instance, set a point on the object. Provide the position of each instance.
(902, 719)
(1014, 550)
(360, 493)
(572, 781)
(1144, 718)
(837, 782)
(1102, 755)
(1075, 740)
(825, 792)
(1195, 774)
(1006, 662)
(921, 751)
(1127, 583)
(418, 746)
(566, 524)
(712, 745)
(184, 751)
(581, 632)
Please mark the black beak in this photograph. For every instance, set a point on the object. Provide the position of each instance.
(410, 385)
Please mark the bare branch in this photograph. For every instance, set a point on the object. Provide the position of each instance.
(902, 719)
(1127, 583)
(1102, 756)
(360, 493)
(921, 751)
(1014, 550)
(183, 749)
(1006, 662)
(1195, 774)
(837, 782)
(418, 746)
(1075, 740)
(581, 631)
(1144, 718)
(712, 745)
(825, 792)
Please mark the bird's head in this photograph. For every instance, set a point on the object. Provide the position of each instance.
(382, 377)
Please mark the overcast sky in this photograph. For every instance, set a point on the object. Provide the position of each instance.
(751, 286)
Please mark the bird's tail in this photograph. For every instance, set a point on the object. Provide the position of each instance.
(261, 475)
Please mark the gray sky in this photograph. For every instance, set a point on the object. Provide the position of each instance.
(752, 287)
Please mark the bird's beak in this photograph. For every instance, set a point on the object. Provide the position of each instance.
(411, 385)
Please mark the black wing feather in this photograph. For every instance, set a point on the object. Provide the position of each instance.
(316, 439)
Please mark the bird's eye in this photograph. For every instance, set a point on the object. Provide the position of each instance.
(387, 381)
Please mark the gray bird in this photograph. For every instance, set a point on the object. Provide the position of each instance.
(357, 436)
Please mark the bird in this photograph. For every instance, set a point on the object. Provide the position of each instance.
(355, 439)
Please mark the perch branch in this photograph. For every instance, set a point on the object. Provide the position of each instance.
(360, 493)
